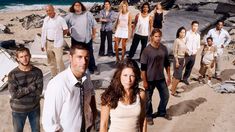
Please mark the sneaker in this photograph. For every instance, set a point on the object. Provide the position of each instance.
(209, 84)
(149, 120)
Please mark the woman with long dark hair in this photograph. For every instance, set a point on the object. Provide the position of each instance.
(122, 96)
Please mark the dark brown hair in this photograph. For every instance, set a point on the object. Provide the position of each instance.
(156, 30)
(115, 91)
(179, 30)
(71, 9)
(142, 7)
(22, 49)
(78, 46)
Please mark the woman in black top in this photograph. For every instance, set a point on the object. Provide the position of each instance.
(158, 16)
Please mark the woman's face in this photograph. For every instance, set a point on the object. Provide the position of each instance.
(77, 7)
(145, 8)
(182, 33)
(127, 78)
(124, 8)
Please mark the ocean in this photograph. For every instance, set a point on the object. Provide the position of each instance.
(17, 5)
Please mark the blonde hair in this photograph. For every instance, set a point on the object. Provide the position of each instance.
(124, 2)
(158, 4)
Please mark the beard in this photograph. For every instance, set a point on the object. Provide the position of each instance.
(24, 64)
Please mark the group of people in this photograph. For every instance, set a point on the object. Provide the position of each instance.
(69, 99)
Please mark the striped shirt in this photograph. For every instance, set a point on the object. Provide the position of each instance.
(25, 88)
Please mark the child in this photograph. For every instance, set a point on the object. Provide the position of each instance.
(207, 61)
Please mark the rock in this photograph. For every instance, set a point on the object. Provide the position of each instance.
(231, 19)
(15, 19)
(61, 11)
(5, 29)
(32, 21)
(225, 8)
(9, 44)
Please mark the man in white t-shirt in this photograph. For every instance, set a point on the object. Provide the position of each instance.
(53, 29)
(221, 39)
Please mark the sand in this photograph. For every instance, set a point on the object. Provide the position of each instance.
(199, 109)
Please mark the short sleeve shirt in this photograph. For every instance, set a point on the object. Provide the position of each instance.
(156, 60)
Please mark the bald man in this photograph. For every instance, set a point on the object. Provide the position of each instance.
(53, 30)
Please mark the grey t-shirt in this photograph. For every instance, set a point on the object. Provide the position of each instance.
(156, 60)
(80, 26)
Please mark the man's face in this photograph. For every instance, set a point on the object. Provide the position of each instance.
(77, 7)
(219, 26)
(156, 38)
(195, 27)
(107, 5)
(50, 11)
(145, 8)
(79, 61)
(209, 42)
(23, 58)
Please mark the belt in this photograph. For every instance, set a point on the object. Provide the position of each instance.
(50, 40)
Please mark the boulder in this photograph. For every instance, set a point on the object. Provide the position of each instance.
(9, 44)
(5, 29)
(32, 21)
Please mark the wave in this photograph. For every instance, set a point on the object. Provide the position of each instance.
(23, 7)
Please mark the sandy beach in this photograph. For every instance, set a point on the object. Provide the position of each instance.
(199, 109)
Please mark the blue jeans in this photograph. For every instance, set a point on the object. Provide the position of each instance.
(163, 93)
(20, 118)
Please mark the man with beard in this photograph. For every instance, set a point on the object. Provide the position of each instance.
(25, 84)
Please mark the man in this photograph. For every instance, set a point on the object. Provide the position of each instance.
(153, 61)
(107, 19)
(82, 29)
(69, 104)
(221, 39)
(53, 29)
(25, 84)
(193, 45)
(207, 61)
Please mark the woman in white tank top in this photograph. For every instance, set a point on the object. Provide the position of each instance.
(123, 29)
(124, 101)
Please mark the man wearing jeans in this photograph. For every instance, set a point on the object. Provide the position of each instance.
(25, 84)
(53, 29)
(153, 61)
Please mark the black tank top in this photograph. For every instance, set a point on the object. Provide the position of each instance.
(157, 22)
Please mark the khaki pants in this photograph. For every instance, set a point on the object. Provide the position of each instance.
(54, 58)
(206, 68)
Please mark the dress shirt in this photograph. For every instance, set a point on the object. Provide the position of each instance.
(54, 32)
(192, 42)
(221, 37)
(62, 109)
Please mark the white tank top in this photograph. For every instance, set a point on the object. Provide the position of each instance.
(125, 118)
(123, 20)
(142, 26)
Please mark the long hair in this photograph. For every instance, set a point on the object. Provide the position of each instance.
(123, 3)
(115, 91)
(71, 9)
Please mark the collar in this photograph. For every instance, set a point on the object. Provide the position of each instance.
(72, 79)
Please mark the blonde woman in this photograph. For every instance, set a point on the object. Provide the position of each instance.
(158, 16)
(123, 29)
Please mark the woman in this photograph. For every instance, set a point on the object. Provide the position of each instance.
(107, 19)
(123, 29)
(158, 16)
(180, 50)
(122, 96)
(142, 28)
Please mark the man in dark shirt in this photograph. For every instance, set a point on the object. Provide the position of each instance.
(153, 61)
(25, 84)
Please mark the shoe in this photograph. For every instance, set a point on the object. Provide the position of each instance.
(185, 82)
(209, 84)
(165, 116)
(175, 94)
(149, 121)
